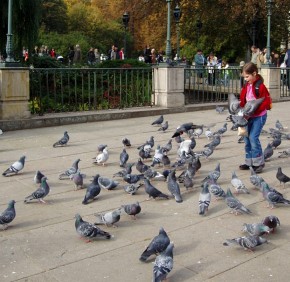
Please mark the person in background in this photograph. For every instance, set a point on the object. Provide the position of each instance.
(122, 54)
(153, 56)
(52, 53)
(91, 56)
(117, 54)
(97, 55)
(147, 55)
(77, 54)
(71, 54)
(211, 64)
(287, 63)
(257, 56)
(253, 150)
(199, 62)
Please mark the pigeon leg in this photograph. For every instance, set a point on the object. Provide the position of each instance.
(5, 226)
(42, 201)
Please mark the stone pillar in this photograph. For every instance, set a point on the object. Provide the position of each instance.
(272, 80)
(169, 87)
(14, 93)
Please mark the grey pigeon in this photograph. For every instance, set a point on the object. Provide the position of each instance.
(185, 127)
(279, 125)
(8, 215)
(187, 181)
(272, 197)
(37, 177)
(140, 166)
(132, 209)
(163, 264)
(126, 170)
(63, 141)
(126, 142)
(133, 178)
(167, 147)
(215, 141)
(204, 199)
(156, 246)
(247, 242)
(252, 105)
(271, 221)
(15, 167)
(101, 147)
(108, 218)
(40, 193)
(222, 130)
(107, 183)
(238, 184)
(153, 174)
(284, 154)
(152, 191)
(215, 174)
(276, 142)
(234, 204)
(165, 160)
(255, 229)
(144, 154)
(255, 179)
(283, 178)
(124, 157)
(206, 152)
(219, 109)
(71, 171)
(132, 188)
(102, 157)
(208, 133)
(78, 180)
(148, 145)
(216, 189)
(178, 139)
(93, 190)
(198, 131)
(164, 126)
(173, 187)
(233, 104)
(88, 230)
(158, 121)
(157, 158)
(268, 152)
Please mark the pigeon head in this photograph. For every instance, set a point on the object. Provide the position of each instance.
(11, 204)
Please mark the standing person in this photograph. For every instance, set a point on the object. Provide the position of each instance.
(77, 55)
(153, 56)
(211, 63)
(287, 63)
(257, 56)
(147, 55)
(52, 53)
(91, 56)
(111, 53)
(200, 62)
(71, 54)
(122, 54)
(97, 55)
(117, 55)
(253, 149)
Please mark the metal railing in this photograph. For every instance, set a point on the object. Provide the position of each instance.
(285, 83)
(83, 89)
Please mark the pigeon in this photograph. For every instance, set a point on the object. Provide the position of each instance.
(178, 139)
(252, 105)
(148, 145)
(158, 121)
(222, 130)
(255, 229)
(153, 192)
(173, 187)
(133, 178)
(37, 177)
(157, 158)
(271, 221)
(165, 160)
(126, 170)
(156, 246)
(284, 154)
(124, 157)
(126, 142)
(93, 190)
(233, 104)
(272, 197)
(185, 127)
(238, 184)
(276, 142)
(132, 209)
(153, 174)
(78, 180)
(208, 133)
(101, 147)
(88, 230)
(206, 152)
(247, 242)
(180, 163)
(216, 189)
(167, 147)
(140, 166)
(40, 193)
(279, 125)
(204, 199)
(8, 215)
(164, 126)
(219, 109)
(107, 183)
(187, 181)
(15, 167)
(132, 188)
(234, 204)
(71, 171)
(109, 218)
(144, 154)
(102, 157)
(163, 264)
(215, 141)
(255, 179)
(215, 174)
(268, 152)
(184, 147)
(283, 178)
(63, 141)
(198, 131)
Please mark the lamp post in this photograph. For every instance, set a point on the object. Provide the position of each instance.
(168, 43)
(177, 16)
(126, 19)
(254, 29)
(198, 27)
(269, 13)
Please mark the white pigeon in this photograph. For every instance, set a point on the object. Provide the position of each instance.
(15, 167)
(208, 133)
(238, 184)
(184, 147)
(102, 157)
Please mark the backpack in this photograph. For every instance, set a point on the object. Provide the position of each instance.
(268, 98)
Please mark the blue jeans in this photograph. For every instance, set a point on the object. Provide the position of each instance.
(253, 148)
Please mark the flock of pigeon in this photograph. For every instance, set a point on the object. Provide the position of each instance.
(177, 171)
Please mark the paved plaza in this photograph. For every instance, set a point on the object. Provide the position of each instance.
(41, 244)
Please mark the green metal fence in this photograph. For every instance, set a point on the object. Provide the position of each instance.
(71, 89)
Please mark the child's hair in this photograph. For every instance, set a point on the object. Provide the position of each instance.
(250, 68)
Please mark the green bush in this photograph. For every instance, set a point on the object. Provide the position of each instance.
(123, 64)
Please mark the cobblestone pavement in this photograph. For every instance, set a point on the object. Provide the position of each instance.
(41, 244)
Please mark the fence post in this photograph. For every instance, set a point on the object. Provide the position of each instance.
(14, 93)
(272, 80)
(169, 86)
